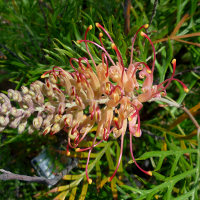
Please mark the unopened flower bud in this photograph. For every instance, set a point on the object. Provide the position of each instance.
(16, 112)
(10, 93)
(37, 122)
(57, 118)
(31, 129)
(24, 90)
(4, 120)
(49, 108)
(31, 93)
(22, 127)
(4, 108)
(56, 128)
(5, 100)
(28, 100)
(61, 108)
(25, 107)
(52, 79)
(47, 120)
(17, 96)
(39, 99)
(47, 130)
(39, 84)
(2, 128)
(15, 123)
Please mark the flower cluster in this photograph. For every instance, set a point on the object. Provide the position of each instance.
(107, 95)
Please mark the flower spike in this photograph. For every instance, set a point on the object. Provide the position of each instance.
(101, 100)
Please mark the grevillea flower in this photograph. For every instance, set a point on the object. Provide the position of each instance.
(109, 91)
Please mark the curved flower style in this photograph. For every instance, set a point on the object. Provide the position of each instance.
(110, 94)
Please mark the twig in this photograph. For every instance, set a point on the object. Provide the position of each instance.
(172, 103)
(13, 54)
(7, 175)
(195, 69)
(153, 12)
(153, 135)
(190, 116)
(127, 8)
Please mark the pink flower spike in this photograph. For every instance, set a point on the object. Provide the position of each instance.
(119, 160)
(134, 38)
(154, 52)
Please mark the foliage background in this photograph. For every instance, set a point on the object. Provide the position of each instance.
(32, 38)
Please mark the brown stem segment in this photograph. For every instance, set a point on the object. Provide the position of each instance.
(7, 175)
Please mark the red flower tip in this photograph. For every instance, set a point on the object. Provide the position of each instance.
(100, 34)
(113, 46)
(186, 89)
(78, 41)
(90, 27)
(68, 153)
(142, 34)
(174, 61)
(149, 173)
(43, 76)
(89, 181)
(148, 71)
(97, 24)
(109, 179)
(146, 26)
(137, 133)
(77, 149)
